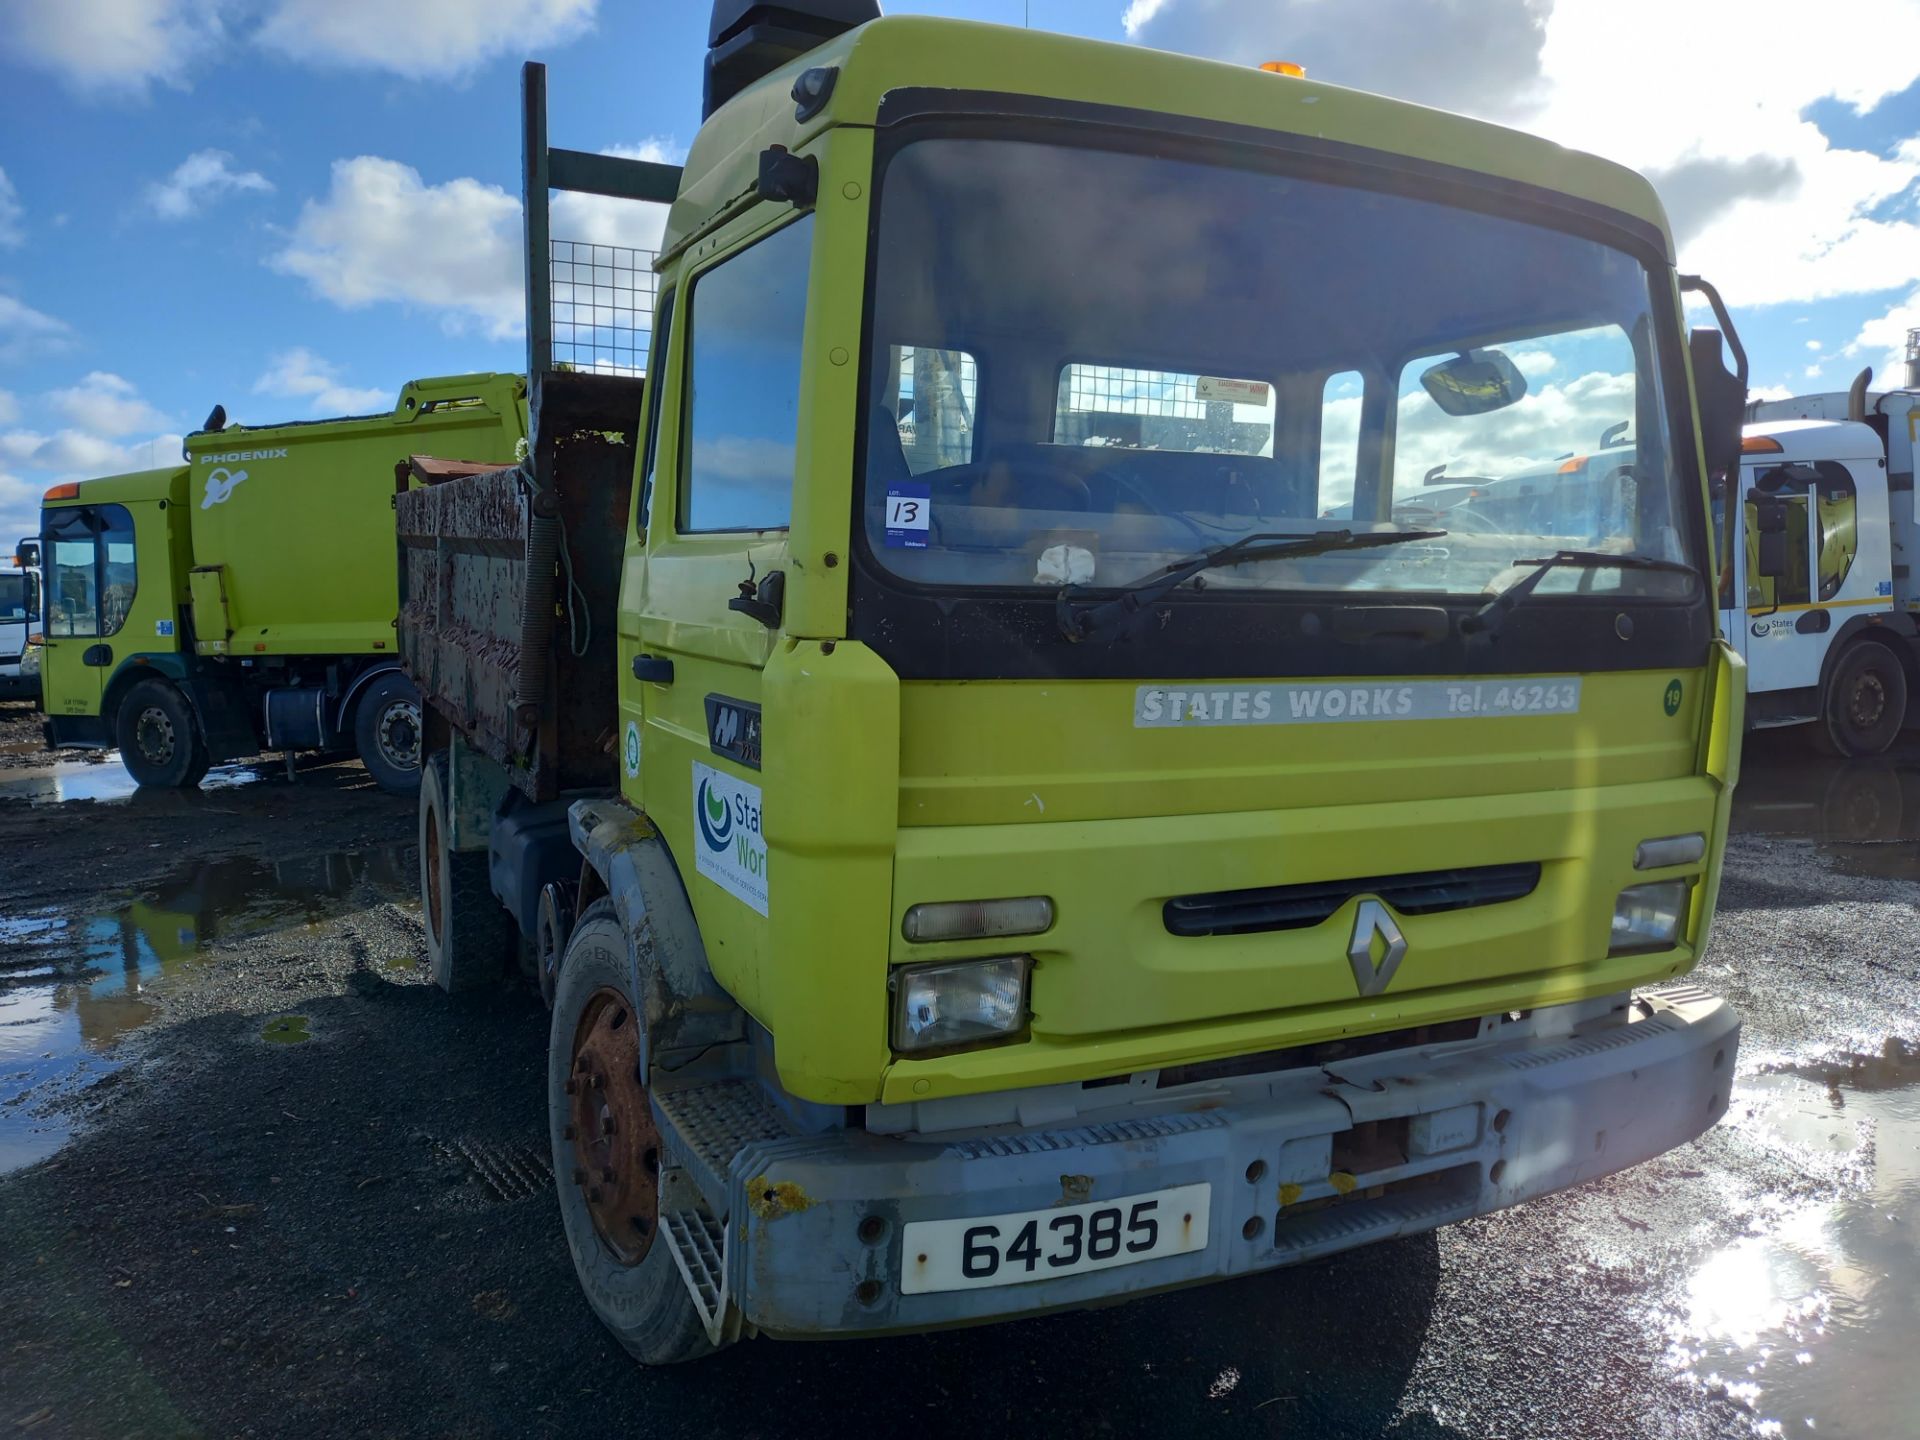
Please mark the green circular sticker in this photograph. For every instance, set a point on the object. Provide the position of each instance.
(1671, 702)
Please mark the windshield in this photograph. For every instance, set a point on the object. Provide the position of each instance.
(13, 598)
(1089, 364)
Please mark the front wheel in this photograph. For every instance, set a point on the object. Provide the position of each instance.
(386, 732)
(606, 1151)
(1865, 703)
(159, 738)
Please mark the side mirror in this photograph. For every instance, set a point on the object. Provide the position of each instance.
(1722, 397)
(27, 554)
(1475, 382)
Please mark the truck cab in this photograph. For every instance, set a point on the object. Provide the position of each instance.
(1815, 579)
(1054, 834)
(19, 623)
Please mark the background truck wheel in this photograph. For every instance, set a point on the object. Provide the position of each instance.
(386, 732)
(1865, 703)
(160, 741)
(606, 1151)
(470, 938)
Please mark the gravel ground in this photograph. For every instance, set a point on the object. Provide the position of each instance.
(353, 1233)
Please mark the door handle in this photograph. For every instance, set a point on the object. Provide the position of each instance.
(97, 655)
(653, 668)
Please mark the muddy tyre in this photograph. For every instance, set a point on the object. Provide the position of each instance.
(606, 1151)
(471, 939)
(159, 738)
(1865, 703)
(386, 732)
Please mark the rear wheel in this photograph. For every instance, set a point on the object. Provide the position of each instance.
(386, 732)
(1866, 702)
(470, 938)
(160, 741)
(606, 1151)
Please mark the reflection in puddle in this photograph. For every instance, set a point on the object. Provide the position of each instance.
(1863, 814)
(103, 779)
(1814, 1326)
(71, 987)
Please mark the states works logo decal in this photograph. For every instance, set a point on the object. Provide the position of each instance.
(729, 848)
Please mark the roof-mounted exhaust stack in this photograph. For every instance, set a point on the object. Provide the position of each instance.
(750, 38)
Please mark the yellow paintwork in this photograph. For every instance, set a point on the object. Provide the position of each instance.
(879, 794)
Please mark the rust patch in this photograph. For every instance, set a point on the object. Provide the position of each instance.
(1075, 1189)
(770, 1199)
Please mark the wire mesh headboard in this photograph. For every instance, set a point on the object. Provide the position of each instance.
(602, 298)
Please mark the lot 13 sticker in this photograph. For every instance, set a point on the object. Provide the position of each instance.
(909, 515)
(728, 846)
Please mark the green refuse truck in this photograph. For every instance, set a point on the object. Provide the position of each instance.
(244, 600)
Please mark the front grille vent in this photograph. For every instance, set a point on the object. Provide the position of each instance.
(1300, 907)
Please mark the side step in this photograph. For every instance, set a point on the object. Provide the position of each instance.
(705, 1126)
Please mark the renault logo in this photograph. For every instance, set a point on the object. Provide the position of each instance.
(1377, 947)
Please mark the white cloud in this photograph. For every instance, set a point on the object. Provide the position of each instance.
(1769, 392)
(381, 233)
(1762, 202)
(1814, 345)
(112, 45)
(420, 39)
(301, 374)
(1812, 372)
(11, 235)
(26, 332)
(201, 176)
(1882, 341)
(106, 404)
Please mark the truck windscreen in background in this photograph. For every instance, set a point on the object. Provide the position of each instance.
(1086, 365)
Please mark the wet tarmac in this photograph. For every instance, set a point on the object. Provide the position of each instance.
(351, 1225)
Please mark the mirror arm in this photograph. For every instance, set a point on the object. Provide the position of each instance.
(1704, 287)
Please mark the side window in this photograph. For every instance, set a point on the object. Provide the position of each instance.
(1339, 441)
(1764, 592)
(931, 393)
(656, 382)
(93, 575)
(1161, 410)
(1838, 514)
(743, 385)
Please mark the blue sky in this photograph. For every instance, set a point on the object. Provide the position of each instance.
(292, 206)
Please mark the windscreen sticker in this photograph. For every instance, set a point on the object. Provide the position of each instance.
(1241, 392)
(1163, 707)
(909, 515)
(728, 847)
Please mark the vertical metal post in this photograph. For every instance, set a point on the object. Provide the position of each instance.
(533, 203)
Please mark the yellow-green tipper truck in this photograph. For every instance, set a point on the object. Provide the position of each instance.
(991, 845)
(244, 600)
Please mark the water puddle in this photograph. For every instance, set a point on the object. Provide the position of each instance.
(1814, 1324)
(1863, 814)
(72, 987)
(102, 780)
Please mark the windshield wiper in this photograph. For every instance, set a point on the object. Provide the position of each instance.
(1086, 621)
(1490, 616)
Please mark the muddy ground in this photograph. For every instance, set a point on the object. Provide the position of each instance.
(267, 1181)
(20, 739)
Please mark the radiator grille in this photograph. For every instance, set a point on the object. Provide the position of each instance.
(1300, 907)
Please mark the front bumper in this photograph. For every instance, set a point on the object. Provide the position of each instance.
(1309, 1162)
(17, 683)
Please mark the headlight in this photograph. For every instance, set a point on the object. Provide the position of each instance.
(959, 1003)
(1648, 917)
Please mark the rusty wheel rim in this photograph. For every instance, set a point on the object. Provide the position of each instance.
(430, 862)
(153, 732)
(615, 1146)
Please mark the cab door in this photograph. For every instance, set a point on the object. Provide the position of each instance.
(703, 614)
(1785, 634)
(73, 666)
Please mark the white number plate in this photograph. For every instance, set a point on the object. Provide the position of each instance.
(1062, 1240)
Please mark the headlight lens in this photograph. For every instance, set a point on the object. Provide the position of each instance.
(1672, 850)
(1648, 917)
(959, 1003)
